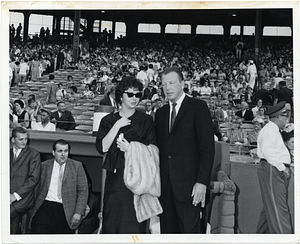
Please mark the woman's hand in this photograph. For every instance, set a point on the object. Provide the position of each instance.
(122, 144)
(123, 122)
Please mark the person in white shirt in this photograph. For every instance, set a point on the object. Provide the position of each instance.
(205, 90)
(148, 109)
(274, 174)
(60, 92)
(150, 73)
(252, 74)
(45, 124)
(255, 110)
(142, 76)
(24, 70)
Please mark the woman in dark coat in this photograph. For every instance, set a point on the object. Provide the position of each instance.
(115, 132)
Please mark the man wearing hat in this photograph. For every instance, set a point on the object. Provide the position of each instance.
(45, 124)
(274, 174)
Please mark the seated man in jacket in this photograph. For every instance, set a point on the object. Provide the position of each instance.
(62, 194)
(245, 113)
(63, 118)
(24, 177)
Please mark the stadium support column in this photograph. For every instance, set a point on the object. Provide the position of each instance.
(113, 29)
(131, 29)
(163, 30)
(76, 34)
(226, 32)
(89, 31)
(194, 31)
(258, 36)
(26, 26)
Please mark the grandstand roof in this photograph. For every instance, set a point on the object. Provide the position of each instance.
(246, 17)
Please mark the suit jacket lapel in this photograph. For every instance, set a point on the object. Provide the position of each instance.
(67, 170)
(19, 156)
(166, 119)
(49, 173)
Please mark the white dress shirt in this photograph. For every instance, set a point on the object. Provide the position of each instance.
(52, 192)
(271, 147)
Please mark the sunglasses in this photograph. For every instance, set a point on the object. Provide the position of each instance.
(137, 95)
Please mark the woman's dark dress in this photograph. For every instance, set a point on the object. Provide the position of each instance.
(119, 216)
(21, 117)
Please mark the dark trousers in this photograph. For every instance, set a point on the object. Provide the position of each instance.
(51, 219)
(275, 216)
(15, 221)
(178, 217)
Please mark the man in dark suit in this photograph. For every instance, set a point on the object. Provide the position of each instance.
(264, 95)
(284, 94)
(63, 118)
(245, 113)
(110, 99)
(185, 138)
(148, 109)
(62, 194)
(24, 177)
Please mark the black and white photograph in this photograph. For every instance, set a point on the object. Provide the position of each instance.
(150, 122)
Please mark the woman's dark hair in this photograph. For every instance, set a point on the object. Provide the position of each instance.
(286, 136)
(20, 102)
(74, 88)
(126, 83)
(30, 100)
(88, 86)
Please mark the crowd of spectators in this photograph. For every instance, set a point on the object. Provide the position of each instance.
(231, 85)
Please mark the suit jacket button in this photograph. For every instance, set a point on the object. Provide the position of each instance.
(169, 156)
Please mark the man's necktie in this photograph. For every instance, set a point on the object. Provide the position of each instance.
(173, 115)
(59, 182)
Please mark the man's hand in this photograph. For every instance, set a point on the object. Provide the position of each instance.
(287, 172)
(198, 194)
(75, 219)
(12, 198)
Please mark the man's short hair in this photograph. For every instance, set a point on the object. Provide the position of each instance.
(59, 102)
(17, 130)
(61, 142)
(51, 77)
(22, 93)
(172, 69)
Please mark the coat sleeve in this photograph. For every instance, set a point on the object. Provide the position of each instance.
(34, 170)
(103, 129)
(205, 135)
(82, 191)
